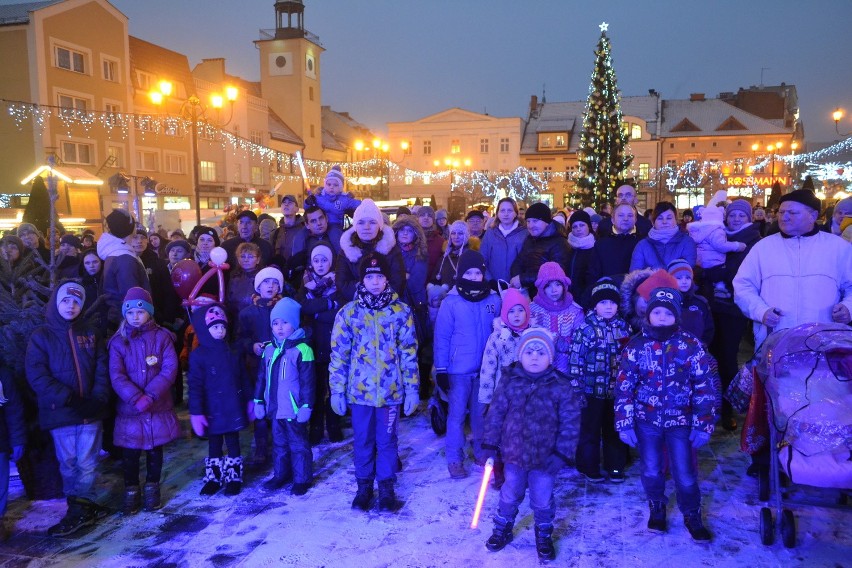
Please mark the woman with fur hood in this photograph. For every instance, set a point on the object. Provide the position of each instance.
(369, 233)
(459, 240)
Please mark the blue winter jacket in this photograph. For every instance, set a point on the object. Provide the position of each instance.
(461, 331)
(500, 251)
(656, 254)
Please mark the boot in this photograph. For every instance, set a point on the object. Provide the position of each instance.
(259, 457)
(233, 476)
(364, 495)
(657, 518)
(695, 526)
(276, 483)
(92, 509)
(73, 520)
(152, 496)
(501, 535)
(387, 496)
(299, 489)
(132, 500)
(544, 542)
(212, 476)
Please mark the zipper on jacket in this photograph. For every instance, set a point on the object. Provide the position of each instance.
(76, 361)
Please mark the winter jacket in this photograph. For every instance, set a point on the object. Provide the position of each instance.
(696, 317)
(643, 226)
(231, 245)
(374, 354)
(318, 312)
(351, 251)
(67, 267)
(500, 251)
(416, 263)
(303, 241)
(92, 284)
(551, 246)
(804, 277)
(282, 243)
(500, 352)
(531, 419)
(162, 290)
(650, 253)
(434, 245)
(610, 257)
(143, 361)
(286, 377)
(13, 430)
(122, 271)
(629, 295)
(336, 207)
(254, 326)
(595, 348)
(65, 360)
(667, 383)
(219, 386)
(461, 331)
(578, 271)
(239, 292)
(748, 234)
(711, 243)
(561, 324)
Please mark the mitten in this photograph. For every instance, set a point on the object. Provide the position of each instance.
(338, 403)
(629, 437)
(199, 423)
(698, 438)
(303, 415)
(259, 410)
(143, 403)
(411, 404)
(443, 380)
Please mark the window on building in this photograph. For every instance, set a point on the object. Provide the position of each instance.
(409, 179)
(714, 165)
(144, 79)
(739, 166)
(207, 171)
(561, 140)
(427, 147)
(212, 202)
(147, 160)
(671, 145)
(174, 163)
(644, 171)
(77, 152)
(110, 68)
(548, 171)
(310, 93)
(70, 59)
(672, 164)
(111, 116)
(256, 137)
(504, 145)
(406, 148)
(635, 131)
(483, 145)
(427, 179)
(313, 134)
(257, 175)
(545, 141)
(455, 147)
(71, 104)
(116, 152)
(238, 173)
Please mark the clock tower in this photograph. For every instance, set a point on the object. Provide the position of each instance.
(290, 74)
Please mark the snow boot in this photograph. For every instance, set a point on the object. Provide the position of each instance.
(544, 542)
(132, 500)
(501, 535)
(695, 526)
(212, 476)
(152, 496)
(364, 495)
(92, 509)
(299, 489)
(276, 483)
(233, 476)
(387, 496)
(657, 518)
(77, 517)
(457, 470)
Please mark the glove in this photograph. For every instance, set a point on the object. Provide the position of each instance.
(698, 438)
(628, 437)
(17, 453)
(143, 403)
(338, 403)
(443, 380)
(259, 410)
(553, 464)
(199, 423)
(250, 410)
(411, 404)
(303, 415)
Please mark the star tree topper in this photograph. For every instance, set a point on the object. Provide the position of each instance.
(604, 26)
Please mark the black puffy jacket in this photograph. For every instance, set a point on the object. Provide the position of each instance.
(551, 246)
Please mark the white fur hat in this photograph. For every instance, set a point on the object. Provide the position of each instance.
(368, 210)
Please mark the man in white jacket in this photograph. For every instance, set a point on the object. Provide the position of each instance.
(800, 275)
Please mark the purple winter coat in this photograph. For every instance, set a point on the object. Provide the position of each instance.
(143, 361)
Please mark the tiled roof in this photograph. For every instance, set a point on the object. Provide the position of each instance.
(278, 130)
(709, 115)
(159, 61)
(13, 14)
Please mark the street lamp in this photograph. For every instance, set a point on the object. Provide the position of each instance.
(837, 115)
(771, 149)
(194, 110)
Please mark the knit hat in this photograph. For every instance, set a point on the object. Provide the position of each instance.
(580, 217)
(804, 196)
(247, 213)
(550, 272)
(71, 240)
(120, 223)
(605, 289)
(658, 279)
(679, 265)
(268, 225)
(179, 243)
(374, 263)
(137, 298)
(214, 315)
(470, 259)
(71, 290)
(335, 173)
(286, 309)
(539, 211)
(426, 210)
(402, 210)
(265, 274)
(665, 297)
(739, 205)
(204, 230)
(590, 211)
(537, 335)
(844, 205)
(713, 214)
(441, 214)
(321, 247)
(474, 213)
(368, 210)
(513, 297)
(26, 228)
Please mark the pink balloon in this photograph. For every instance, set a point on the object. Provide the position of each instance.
(185, 275)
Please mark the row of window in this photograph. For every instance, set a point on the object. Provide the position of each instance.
(78, 61)
(208, 172)
(455, 147)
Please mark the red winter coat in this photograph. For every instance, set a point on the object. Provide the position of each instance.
(143, 361)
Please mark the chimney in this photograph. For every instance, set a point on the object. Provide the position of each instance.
(696, 97)
(533, 103)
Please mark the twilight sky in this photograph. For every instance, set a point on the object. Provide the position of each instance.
(400, 60)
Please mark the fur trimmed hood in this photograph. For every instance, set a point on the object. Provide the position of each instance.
(628, 287)
(354, 248)
(411, 221)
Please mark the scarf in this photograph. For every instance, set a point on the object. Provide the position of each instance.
(562, 304)
(586, 242)
(743, 228)
(319, 286)
(509, 230)
(263, 302)
(373, 301)
(472, 290)
(407, 247)
(663, 235)
(662, 333)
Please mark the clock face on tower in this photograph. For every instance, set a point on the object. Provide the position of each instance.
(281, 63)
(310, 66)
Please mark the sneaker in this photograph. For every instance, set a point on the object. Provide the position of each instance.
(594, 477)
(616, 476)
(457, 470)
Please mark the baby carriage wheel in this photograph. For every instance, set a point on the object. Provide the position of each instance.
(767, 534)
(788, 528)
(438, 417)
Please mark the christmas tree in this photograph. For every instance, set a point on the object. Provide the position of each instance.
(37, 210)
(602, 154)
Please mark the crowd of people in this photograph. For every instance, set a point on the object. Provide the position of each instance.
(560, 338)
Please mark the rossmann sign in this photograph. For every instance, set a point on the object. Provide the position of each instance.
(755, 181)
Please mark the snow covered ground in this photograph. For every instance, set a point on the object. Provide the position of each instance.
(597, 525)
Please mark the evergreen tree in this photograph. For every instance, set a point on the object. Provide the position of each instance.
(602, 154)
(37, 210)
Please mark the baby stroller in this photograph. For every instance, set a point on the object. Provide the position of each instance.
(438, 408)
(806, 374)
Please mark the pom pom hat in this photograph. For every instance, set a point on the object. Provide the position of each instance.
(215, 315)
(368, 210)
(537, 336)
(137, 298)
(265, 274)
(549, 272)
(658, 279)
(668, 298)
(335, 173)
